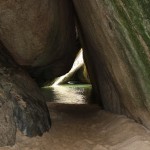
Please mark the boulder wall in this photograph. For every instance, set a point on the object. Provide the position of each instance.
(22, 105)
(116, 38)
(40, 35)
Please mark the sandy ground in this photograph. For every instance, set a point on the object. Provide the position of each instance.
(85, 127)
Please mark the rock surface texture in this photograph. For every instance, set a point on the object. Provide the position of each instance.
(84, 127)
(40, 35)
(7, 123)
(22, 105)
(115, 35)
(41, 38)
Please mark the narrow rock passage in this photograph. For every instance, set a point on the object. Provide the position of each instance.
(85, 127)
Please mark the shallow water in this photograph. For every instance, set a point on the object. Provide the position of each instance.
(69, 94)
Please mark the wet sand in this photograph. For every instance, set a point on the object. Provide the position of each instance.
(86, 127)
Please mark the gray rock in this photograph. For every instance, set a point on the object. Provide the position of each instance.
(115, 36)
(7, 123)
(22, 105)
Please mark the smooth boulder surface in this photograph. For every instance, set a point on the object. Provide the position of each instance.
(115, 36)
(40, 35)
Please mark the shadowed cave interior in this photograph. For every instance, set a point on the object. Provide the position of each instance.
(51, 99)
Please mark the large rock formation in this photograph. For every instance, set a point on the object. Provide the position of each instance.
(40, 35)
(115, 35)
(41, 38)
(22, 105)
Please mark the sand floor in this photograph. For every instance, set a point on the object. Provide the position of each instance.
(86, 127)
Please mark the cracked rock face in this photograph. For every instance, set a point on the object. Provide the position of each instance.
(7, 123)
(22, 105)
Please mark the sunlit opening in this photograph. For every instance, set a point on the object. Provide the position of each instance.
(73, 87)
(77, 64)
